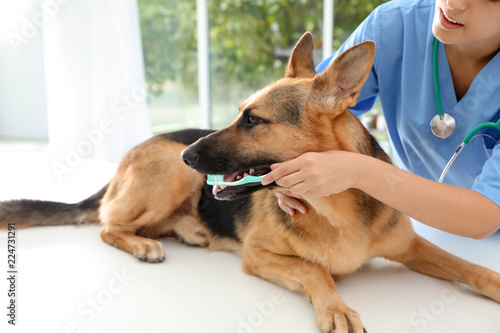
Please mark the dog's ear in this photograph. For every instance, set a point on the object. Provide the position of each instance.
(301, 63)
(338, 86)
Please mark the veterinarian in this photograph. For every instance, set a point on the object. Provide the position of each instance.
(468, 79)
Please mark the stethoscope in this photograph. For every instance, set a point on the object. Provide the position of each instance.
(443, 124)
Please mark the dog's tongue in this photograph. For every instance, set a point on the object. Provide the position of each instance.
(215, 189)
(230, 178)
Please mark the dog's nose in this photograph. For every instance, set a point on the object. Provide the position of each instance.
(190, 157)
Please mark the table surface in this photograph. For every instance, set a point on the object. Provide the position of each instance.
(70, 281)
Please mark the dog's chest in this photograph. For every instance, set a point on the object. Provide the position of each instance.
(331, 238)
(341, 249)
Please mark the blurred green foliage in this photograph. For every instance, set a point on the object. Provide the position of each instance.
(246, 36)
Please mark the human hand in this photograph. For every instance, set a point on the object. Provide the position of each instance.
(288, 203)
(316, 174)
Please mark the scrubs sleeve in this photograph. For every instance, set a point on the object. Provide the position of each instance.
(488, 182)
(369, 29)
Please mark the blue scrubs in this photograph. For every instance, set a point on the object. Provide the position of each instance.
(402, 77)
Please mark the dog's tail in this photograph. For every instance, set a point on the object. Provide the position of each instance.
(31, 213)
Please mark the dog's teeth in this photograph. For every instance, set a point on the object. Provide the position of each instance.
(245, 174)
(251, 171)
(238, 177)
(222, 187)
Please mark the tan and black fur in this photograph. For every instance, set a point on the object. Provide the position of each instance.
(155, 194)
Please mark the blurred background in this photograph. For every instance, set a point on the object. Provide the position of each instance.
(71, 70)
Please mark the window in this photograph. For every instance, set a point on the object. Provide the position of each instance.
(249, 44)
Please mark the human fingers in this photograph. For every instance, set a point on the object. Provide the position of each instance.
(289, 204)
(281, 170)
(278, 171)
(284, 191)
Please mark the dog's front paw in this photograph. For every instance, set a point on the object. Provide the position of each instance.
(339, 319)
(149, 250)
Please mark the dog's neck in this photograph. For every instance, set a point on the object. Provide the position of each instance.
(329, 206)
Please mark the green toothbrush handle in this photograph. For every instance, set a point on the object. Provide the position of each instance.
(251, 179)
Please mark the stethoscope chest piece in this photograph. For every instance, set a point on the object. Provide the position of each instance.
(443, 126)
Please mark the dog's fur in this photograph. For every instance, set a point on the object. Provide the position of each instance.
(155, 194)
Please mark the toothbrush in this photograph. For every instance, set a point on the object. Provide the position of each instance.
(219, 180)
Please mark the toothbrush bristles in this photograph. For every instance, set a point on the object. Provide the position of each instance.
(215, 178)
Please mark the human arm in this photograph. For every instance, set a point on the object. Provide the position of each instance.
(450, 208)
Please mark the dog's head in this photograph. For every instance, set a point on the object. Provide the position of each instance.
(300, 113)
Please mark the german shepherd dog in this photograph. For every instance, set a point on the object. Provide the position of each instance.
(154, 193)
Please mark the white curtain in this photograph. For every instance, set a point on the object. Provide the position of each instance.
(96, 95)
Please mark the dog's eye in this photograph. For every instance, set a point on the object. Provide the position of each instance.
(249, 121)
(252, 119)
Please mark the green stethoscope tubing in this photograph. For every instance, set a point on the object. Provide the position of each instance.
(435, 76)
(438, 97)
(480, 127)
(437, 92)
